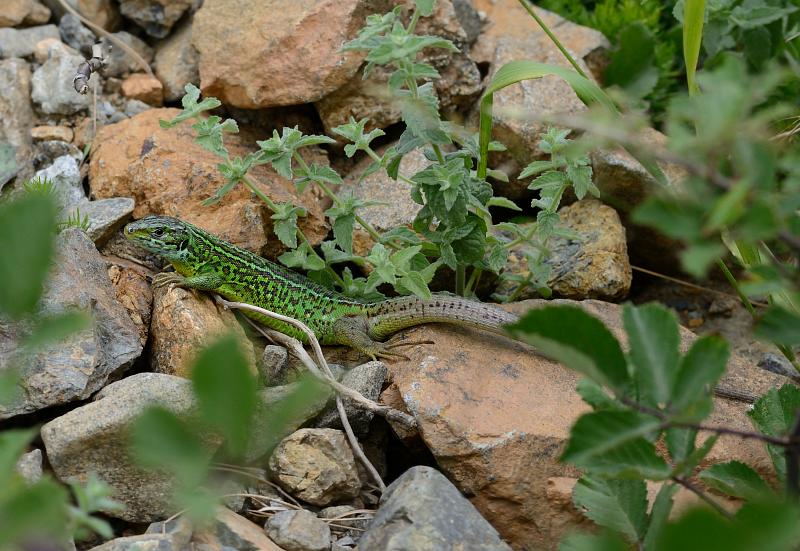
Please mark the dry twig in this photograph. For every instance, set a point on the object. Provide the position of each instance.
(323, 372)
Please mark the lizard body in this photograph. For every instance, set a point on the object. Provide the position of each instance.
(205, 262)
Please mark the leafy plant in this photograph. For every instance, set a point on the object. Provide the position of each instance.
(654, 393)
(453, 227)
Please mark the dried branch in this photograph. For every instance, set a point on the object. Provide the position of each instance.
(702, 495)
(81, 79)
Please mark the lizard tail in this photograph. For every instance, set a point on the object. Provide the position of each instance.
(390, 316)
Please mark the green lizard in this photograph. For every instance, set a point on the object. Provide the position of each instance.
(205, 262)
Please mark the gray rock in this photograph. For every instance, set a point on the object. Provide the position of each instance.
(179, 529)
(65, 176)
(299, 530)
(118, 62)
(367, 379)
(94, 438)
(29, 466)
(177, 63)
(16, 111)
(423, 510)
(264, 436)
(344, 515)
(81, 364)
(317, 466)
(106, 216)
(107, 113)
(45, 153)
(149, 542)
(134, 107)
(230, 531)
(22, 42)
(75, 35)
(156, 17)
(52, 88)
(272, 364)
(468, 17)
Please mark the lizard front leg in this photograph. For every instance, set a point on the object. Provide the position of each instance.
(204, 282)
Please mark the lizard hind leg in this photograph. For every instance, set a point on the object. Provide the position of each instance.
(352, 332)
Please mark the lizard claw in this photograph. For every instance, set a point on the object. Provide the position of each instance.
(167, 279)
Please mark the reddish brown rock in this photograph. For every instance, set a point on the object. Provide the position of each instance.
(167, 173)
(15, 12)
(183, 323)
(284, 53)
(497, 427)
(133, 291)
(458, 85)
(143, 87)
(44, 133)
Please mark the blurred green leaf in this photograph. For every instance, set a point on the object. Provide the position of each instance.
(226, 391)
(764, 526)
(576, 339)
(616, 443)
(736, 479)
(780, 326)
(633, 63)
(620, 505)
(12, 445)
(693, 18)
(159, 440)
(659, 515)
(605, 541)
(775, 414)
(36, 511)
(27, 234)
(55, 328)
(654, 339)
(699, 371)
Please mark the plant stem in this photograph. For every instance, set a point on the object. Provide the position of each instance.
(553, 38)
(413, 24)
(472, 283)
(335, 198)
(461, 272)
(702, 495)
(301, 236)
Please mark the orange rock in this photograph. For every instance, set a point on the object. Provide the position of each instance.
(183, 322)
(167, 173)
(135, 294)
(43, 133)
(496, 416)
(143, 87)
(284, 53)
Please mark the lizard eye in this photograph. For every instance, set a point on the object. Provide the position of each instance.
(158, 232)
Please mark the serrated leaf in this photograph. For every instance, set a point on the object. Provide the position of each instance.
(576, 339)
(343, 231)
(503, 202)
(736, 479)
(775, 414)
(415, 282)
(536, 167)
(616, 444)
(659, 514)
(594, 395)
(620, 505)
(699, 371)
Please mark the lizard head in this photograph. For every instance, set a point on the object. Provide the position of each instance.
(163, 235)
